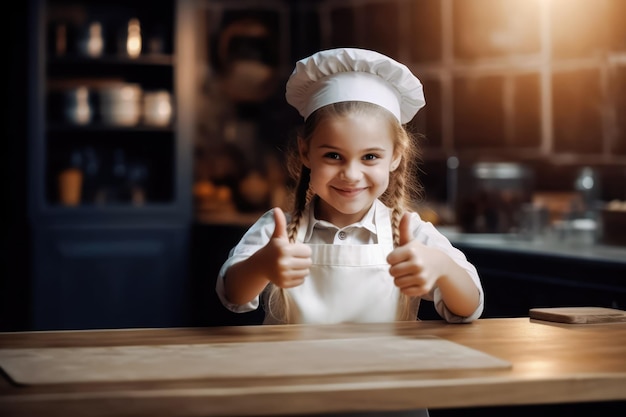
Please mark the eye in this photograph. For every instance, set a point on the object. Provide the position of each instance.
(370, 157)
(332, 155)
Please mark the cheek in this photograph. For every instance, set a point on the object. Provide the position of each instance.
(319, 172)
(381, 172)
(322, 171)
(381, 177)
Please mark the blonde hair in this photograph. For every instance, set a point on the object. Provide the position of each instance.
(403, 190)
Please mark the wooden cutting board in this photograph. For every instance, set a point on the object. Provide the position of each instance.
(241, 360)
(578, 315)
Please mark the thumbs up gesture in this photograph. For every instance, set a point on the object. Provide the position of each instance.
(286, 263)
(414, 266)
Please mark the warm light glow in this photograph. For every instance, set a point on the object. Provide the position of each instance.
(164, 109)
(133, 42)
(157, 108)
(128, 93)
(541, 367)
(95, 43)
(83, 110)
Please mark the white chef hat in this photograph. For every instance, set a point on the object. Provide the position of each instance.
(352, 74)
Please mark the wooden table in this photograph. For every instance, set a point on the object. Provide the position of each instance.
(551, 363)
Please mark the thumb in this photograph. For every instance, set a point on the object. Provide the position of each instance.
(280, 228)
(405, 229)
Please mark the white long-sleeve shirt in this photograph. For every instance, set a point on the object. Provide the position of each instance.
(363, 232)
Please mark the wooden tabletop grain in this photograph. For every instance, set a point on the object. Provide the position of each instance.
(551, 363)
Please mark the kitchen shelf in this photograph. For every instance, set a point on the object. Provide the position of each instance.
(145, 60)
(91, 124)
(113, 162)
(151, 70)
(62, 127)
(111, 252)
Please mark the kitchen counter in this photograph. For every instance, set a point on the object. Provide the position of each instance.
(548, 246)
(544, 363)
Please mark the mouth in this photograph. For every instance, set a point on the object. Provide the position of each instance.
(349, 192)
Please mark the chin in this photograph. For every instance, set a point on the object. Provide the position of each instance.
(352, 209)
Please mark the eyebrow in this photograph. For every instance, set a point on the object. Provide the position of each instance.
(334, 148)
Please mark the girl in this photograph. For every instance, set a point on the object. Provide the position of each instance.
(351, 250)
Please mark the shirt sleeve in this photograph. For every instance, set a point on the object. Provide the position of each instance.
(426, 233)
(254, 239)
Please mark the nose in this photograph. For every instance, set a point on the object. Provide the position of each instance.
(351, 171)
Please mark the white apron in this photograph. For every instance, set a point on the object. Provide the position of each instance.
(348, 283)
(351, 283)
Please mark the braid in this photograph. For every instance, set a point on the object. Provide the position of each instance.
(396, 197)
(299, 203)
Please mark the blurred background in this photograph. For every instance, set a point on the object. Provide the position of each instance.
(144, 137)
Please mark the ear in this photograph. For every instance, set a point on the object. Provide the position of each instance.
(303, 148)
(395, 163)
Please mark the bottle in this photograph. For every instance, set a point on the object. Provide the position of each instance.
(70, 181)
(119, 171)
(587, 184)
(91, 44)
(133, 39)
(584, 225)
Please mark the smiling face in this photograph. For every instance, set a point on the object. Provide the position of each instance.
(350, 158)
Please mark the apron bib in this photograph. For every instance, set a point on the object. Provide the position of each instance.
(348, 283)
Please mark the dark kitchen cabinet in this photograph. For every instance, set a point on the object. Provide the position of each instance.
(109, 277)
(514, 280)
(110, 144)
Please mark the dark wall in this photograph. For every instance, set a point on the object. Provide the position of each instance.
(14, 279)
(210, 247)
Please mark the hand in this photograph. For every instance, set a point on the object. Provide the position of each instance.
(415, 267)
(287, 264)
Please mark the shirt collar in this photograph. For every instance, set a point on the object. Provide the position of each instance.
(367, 222)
